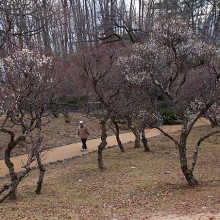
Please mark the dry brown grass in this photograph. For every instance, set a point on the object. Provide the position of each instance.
(135, 185)
(56, 133)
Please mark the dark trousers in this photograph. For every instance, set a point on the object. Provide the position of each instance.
(84, 143)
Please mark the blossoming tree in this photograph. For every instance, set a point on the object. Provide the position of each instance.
(27, 87)
(183, 68)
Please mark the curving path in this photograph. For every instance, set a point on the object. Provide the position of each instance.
(71, 150)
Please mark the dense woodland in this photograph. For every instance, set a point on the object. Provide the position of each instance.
(62, 27)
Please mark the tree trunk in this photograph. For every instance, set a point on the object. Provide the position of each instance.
(41, 176)
(102, 145)
(137, 142)
(183, 159)
(67, 117)
(65, 26)
(13, 194)
(117, 136)
(144, 141)
(100, 158)
(214, 121)
(45, 28)
(189, 176)
(13, 175)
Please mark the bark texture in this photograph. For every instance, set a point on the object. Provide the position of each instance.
(117, 135)
(102, 145)
(144, 141)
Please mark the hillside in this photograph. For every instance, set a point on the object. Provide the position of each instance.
(135, 185)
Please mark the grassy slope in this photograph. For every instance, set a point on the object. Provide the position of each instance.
(135, 185)
(56, 133)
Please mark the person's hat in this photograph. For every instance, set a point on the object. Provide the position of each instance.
(81, 122)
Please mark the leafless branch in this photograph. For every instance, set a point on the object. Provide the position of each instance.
(195, 155)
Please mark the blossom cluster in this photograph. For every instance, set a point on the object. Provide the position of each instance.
(25, 62)
(23, 75)
(171, 51)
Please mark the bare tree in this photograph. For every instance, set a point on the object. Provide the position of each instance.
(19, 23)
(97, 73)
(117, 133)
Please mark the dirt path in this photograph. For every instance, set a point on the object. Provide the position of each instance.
(71, 150)
(202, 216)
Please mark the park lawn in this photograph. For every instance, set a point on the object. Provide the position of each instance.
(56, 132)
(134, 185)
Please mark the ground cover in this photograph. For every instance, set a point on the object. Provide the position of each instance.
(135, 185)
(57, 133)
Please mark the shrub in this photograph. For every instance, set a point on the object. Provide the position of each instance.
(168, 115)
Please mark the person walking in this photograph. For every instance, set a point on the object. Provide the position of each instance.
(83, 133)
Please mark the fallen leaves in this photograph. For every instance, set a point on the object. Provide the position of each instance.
(134, 186)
